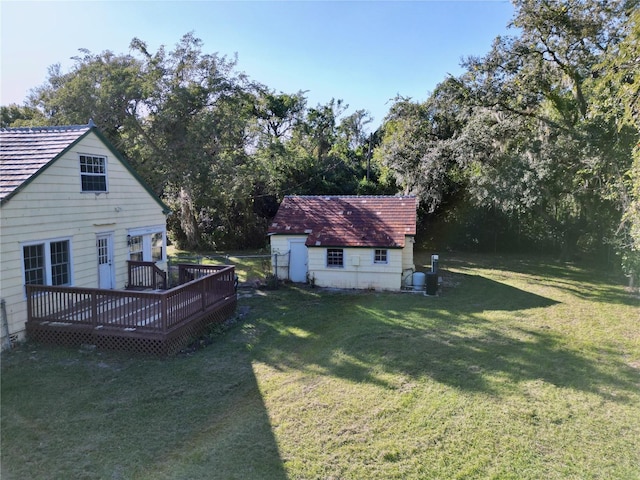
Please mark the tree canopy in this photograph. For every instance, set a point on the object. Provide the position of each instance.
(532, 146)
(528, 131)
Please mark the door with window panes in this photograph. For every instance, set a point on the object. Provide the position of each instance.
(105, 261)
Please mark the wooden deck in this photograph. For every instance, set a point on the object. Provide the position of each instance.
(156, 322)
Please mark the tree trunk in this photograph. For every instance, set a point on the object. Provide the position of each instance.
(188, 220)
(569, 244)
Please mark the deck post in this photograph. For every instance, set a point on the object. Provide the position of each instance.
(29, 304)
(163, 313)
(203, 296)
(94, 308)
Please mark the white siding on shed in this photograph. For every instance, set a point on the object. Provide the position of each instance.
(407, 254)
(280, 247)
(359, 270)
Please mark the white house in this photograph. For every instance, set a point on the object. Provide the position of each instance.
(72, 212)
(360, 242)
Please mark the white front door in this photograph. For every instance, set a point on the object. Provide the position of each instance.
(104, 243)
(297, 261)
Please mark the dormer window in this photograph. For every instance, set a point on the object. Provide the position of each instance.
(93, 173)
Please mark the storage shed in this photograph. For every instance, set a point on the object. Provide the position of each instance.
(359, 242)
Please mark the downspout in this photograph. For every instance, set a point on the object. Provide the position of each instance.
(4, 326)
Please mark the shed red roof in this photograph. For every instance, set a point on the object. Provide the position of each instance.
(347, 221)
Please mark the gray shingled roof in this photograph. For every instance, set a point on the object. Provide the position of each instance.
(25, 151)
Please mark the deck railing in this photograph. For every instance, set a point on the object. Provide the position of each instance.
(192, 271)
(130, 310)
(146, 275)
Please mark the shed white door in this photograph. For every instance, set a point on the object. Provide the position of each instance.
(104, 243)
(297, 261)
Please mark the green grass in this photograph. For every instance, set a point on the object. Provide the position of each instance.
(251, 267)
(520, 368)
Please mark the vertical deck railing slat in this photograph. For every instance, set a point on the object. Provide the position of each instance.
(94, 309)
(202, 292)
(163, 313)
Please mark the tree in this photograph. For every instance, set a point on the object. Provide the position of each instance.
(279, 114)
(352, 128)
(20, 116)
(182, 117)
(104, 87)
(516, 134)
(617, 84)
(318, 157)
(542, 78)
(199, 114)
(419, 145)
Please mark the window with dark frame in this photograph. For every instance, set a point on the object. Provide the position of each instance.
(34, 273)
(93, 173)
(380, 256)
(47, 263)
(335, 257)
(60, 263)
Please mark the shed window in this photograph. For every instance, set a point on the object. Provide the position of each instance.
(47, 263)
(380, 256)
(335, 257)
(93, 173)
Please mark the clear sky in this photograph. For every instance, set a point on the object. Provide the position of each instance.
(363, 52)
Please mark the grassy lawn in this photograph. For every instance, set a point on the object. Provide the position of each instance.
(250, 267)
(519, 368)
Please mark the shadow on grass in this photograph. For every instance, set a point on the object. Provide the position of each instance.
(457, 339)
(94, 415)
(576, 278)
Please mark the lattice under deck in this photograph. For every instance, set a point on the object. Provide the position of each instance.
(58, 333)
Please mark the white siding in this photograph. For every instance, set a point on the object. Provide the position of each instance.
(280, 247)
(359, 271)
(408, 267)
(52, 206)
(407, 253)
